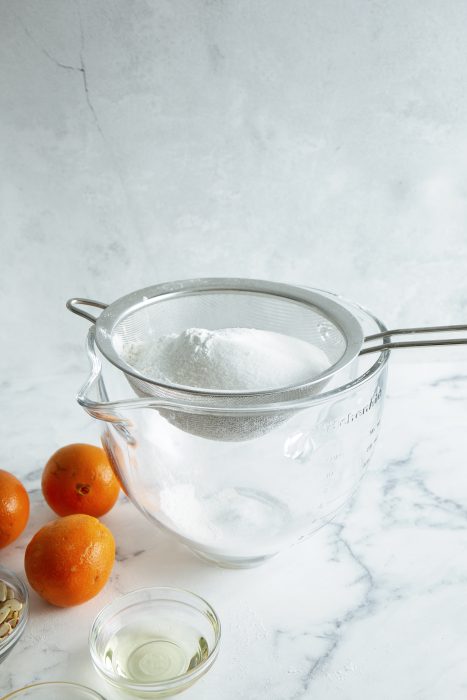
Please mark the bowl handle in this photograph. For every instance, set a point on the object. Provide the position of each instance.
(74, 304)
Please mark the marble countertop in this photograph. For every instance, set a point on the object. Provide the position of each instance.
(372, 606)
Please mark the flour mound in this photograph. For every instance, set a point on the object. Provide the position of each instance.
(235, 359)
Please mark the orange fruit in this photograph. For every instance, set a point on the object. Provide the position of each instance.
(69, 560)
(14, 508)
(79, 479)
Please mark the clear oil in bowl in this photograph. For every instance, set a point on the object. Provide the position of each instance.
(149, 655)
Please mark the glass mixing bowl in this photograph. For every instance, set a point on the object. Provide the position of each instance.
(238, 484)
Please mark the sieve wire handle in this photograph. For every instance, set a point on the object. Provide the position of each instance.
(74, 304)
(414, 343)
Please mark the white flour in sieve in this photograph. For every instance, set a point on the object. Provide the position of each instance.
(236, 359)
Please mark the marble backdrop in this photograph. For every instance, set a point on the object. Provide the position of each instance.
(315, 142)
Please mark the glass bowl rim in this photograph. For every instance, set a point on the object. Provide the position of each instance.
(170, 683)
(46, 684)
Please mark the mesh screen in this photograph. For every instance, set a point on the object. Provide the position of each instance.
(227, 309)
(230, 309)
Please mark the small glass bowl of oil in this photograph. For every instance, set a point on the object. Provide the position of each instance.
(155, 642)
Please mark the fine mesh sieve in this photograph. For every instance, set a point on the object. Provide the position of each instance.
(213, 303)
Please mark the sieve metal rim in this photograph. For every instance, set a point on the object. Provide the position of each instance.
(112, 407)
(118, 310)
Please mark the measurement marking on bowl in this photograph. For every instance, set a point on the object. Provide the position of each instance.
(352, 416)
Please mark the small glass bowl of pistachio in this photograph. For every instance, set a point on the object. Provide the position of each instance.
(14, 610)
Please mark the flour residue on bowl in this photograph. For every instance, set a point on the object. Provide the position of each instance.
(229, 359)
(226, 517)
